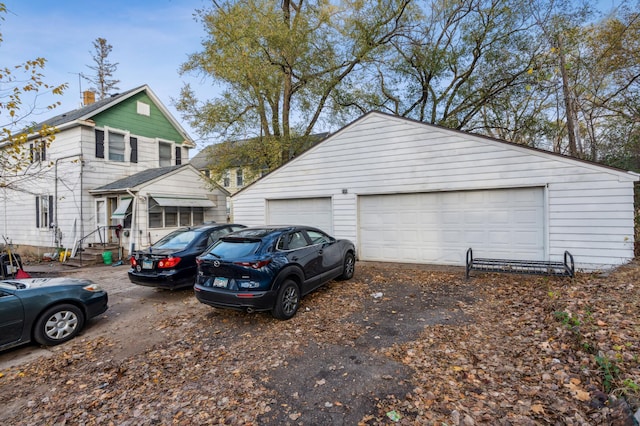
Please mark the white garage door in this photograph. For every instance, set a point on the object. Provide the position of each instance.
(301, 211)
(439, 227)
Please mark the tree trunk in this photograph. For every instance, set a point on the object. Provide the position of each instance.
(566, 91)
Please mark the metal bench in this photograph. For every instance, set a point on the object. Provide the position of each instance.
(531, 267)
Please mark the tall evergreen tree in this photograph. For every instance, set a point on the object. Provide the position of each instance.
(102, 81)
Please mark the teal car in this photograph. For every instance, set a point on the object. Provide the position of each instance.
(48, 311)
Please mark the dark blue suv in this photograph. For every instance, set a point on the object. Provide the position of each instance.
(271, 268)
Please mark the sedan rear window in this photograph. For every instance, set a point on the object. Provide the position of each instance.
(228, 249)
(176, 240)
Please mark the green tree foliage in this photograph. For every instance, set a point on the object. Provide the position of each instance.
(279, 64)
(546, 73)
(102, 81)
(20, 88)
(610, 97)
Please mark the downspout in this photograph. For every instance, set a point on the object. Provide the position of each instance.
(134, 209)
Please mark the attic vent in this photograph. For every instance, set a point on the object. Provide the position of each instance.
(143, 109)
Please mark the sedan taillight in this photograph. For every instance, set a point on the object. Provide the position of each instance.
(169, 262)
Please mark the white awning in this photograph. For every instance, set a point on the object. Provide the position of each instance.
(121, 211)
(167, 201)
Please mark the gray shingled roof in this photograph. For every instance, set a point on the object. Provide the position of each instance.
(202, 160)
(137, 179)
(76, 114)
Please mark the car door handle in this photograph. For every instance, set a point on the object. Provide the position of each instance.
(320, 252)
(294, 258)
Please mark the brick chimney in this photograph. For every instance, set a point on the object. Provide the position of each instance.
(88, 97)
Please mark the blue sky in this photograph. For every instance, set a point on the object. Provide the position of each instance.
(150, 39)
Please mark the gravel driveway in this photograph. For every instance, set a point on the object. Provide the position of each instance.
(398, 343)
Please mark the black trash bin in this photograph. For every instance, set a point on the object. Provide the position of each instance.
(9, 265)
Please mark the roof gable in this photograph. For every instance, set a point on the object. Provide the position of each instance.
(137, 179)
(420, 149)
(488, 139)
(120, 111)
(145, 177)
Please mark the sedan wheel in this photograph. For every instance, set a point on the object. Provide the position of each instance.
(349, 267)
(58, 324)
(287, 301)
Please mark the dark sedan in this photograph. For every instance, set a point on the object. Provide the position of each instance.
(171, 262)
(47, 310)
(271, 268)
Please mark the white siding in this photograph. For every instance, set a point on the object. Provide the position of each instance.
(381, 154)
(75, 206)
(186, 182)
(315, 212)
(18, 207)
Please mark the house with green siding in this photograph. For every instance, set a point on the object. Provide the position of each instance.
(117, 172)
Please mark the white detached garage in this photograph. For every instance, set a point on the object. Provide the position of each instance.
(406, 191)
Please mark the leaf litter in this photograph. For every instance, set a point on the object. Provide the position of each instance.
(497, 349)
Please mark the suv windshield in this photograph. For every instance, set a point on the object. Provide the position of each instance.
(229, 249)
(176, 240)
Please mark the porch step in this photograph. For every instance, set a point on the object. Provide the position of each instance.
(92, 255)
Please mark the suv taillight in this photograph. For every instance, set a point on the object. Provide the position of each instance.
(255, 265)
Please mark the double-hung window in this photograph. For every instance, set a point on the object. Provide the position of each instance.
(44, 211)
(239, 178)
(112, 144)
(116, 146)
(37, 151)
(165, 150)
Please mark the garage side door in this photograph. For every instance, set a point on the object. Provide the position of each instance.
(302, 211)
(439, 227)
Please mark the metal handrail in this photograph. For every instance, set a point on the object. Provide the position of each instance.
(79, 243)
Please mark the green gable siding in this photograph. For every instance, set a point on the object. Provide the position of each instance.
(124, 116)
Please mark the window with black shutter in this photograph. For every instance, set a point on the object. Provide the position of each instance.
(99, 143)
(133, 143)
(37, 212)
(37, 151)
(49, 223)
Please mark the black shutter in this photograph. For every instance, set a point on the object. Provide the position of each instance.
(31, 156)
(43, 156)
(178, 156)
(133, 143)
(50, 218)
(99, 143)
(37, 212)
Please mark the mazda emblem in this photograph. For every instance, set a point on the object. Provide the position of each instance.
(216, 263)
